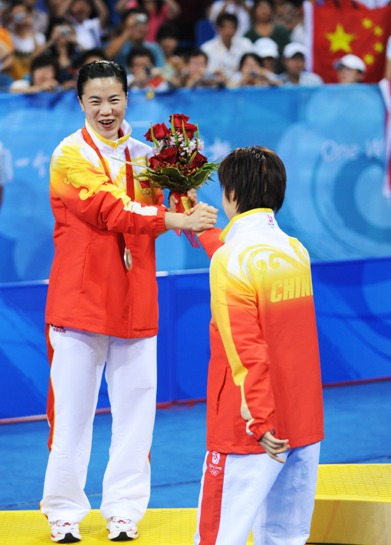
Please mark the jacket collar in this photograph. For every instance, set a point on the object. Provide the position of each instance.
(259, 218)
(105, 144)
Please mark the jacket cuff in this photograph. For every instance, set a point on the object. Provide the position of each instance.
(258, 430)
(210, 240)
(160, 223)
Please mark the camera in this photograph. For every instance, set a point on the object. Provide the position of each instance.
(19, 17)
(64, 31)
(141, 18)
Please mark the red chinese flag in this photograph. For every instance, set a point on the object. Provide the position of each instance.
(337, 30)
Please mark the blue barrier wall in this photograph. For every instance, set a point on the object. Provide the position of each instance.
(353, 307)
(331, 139)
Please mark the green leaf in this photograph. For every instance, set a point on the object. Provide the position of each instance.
(171, 178)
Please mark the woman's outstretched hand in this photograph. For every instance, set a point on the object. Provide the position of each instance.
(200, 218)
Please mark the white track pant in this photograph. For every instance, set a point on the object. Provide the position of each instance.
(76, 373)
(240, 493)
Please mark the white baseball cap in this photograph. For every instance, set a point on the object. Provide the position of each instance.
(294, 48)
(266, 47)
(351, 61)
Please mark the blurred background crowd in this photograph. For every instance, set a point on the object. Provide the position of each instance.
(164, 44)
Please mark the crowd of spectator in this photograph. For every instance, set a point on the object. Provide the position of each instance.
(164, 44)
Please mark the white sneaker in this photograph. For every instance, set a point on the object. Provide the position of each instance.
(64, 531)
(121, 529)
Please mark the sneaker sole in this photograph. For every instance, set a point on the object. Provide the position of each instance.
(68, 538)
(123, 536)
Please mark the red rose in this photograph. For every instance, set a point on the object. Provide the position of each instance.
(159, 132)
(190, 130)
(154, 162)
(198, 160)
(178, 119)
(168, 156)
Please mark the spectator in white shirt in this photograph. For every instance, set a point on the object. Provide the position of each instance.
(294, 61)
(226, 49)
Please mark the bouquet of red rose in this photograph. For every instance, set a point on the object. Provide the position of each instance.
(177, 164)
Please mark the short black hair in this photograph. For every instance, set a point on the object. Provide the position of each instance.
(225, 16)
(135, 11)
(254, 177)
(18, 3)
(45, 59)
(101, 69)
(140, 51)
(195, 52)
(250, 55)
(270, 2)
(86, 53)
(168, 30)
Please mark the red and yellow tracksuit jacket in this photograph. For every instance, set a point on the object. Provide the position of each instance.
(264, 370)
(89, 287)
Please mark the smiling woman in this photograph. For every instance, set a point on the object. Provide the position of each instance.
(102, 307)
(104, 102)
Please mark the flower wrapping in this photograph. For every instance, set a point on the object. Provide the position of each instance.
(177, 163)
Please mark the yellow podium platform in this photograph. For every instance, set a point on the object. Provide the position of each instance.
(352, 507)
(159, 527)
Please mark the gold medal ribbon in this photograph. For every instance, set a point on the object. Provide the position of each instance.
(129, 180)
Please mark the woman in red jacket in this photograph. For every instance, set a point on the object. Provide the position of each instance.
(102, 308)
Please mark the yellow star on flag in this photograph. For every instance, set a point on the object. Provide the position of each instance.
(378, 31)
(367, 23)
(369, 59)
(378, 47)
(340, 40)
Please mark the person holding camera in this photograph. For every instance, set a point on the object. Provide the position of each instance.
(6, 50)
(24, 38)
(159, 12)
(132, 32)
(195, 74)
(252, 73)
(142, 73)
(62, 44)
